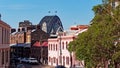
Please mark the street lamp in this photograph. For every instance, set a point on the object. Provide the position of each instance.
(70, 58)
(60, 50)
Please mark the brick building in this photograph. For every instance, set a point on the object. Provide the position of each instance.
(20, 39)
(39, 46)
(4, 44)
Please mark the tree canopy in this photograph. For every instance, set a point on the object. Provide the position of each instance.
(97, 45)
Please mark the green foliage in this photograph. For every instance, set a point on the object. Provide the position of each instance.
(116, 56)
(97, 44)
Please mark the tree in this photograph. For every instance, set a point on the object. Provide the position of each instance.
(97, 46)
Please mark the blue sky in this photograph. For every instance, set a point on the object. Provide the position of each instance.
(71, 12)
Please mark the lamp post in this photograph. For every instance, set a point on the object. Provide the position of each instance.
(70, 59)
(41, 59)
(41, 54)
(60, 50)
(17, 48)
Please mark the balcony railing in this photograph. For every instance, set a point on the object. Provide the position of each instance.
(4, 46)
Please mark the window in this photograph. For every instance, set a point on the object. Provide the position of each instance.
(64, 60)
(28, 38)
(66, 44)
(51, 46)
(62, 45)
(2, 57)
(54, 59)
(60, 59)
(7, 56)
(5, 36)
(56, 47)
(67, 60)
(0, 35)
(49, 59)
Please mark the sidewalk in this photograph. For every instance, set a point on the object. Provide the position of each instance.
(47, 66)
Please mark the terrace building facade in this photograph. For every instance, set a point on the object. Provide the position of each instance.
(4, 44)
(58, 53)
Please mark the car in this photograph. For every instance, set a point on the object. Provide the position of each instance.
(15, 59)
(30, 60)
(33, 61)
(60, 66)
(25, 60)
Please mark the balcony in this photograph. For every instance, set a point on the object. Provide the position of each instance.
(4, 46)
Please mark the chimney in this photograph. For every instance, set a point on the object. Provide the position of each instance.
(18, 29)
(13, 30)
(23, 29)
(37, 26)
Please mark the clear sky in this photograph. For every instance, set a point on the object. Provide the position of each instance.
(71, 12)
